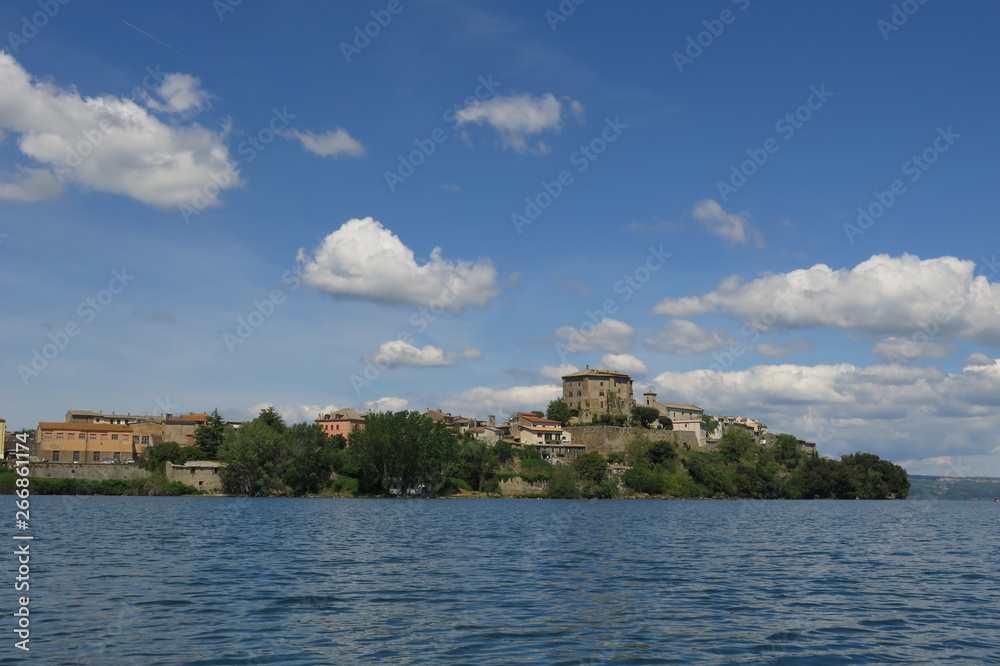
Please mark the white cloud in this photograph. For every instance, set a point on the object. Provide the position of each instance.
(485, 400)
(901, 350)
(329, 144)
(624, 363)
(517, 117)
(979, 359)
(899, 412)
(905, 296)
(609, 335)
(728, 226)
(396, 353)
(778, 351)
(180, 93)
(30, 185)
(109, 144)
(387, 404)
(365, 260)
(557, 372)
(680, 336)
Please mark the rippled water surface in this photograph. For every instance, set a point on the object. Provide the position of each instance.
(338, 581)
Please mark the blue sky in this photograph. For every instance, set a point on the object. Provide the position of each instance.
(268, 206)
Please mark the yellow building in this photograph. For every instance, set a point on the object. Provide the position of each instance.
(85, 442)
(3, 435)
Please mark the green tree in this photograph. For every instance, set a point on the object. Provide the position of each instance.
(308, 458)
(210, 435)
(558, 410)
(272, 419)
(591, 466)
(405, 448)
(155, 457)
(662, 452)
(787, 451)
(504, 451)
(710, 423)
(665, 422)
(562, 484)
(644, 416)
(251, 454)
(643, 479)
(479, 463)
(736, 444)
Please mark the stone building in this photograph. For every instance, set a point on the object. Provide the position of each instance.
(201, 474)
(589, 392)
(673, 411)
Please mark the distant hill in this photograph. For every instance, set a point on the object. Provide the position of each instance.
(953, 488)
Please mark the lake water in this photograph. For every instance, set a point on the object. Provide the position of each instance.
(135, 580)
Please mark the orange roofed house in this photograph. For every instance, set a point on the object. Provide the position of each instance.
(343, 422)
(85, 442)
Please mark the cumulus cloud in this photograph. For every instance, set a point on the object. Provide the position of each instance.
(624, 363)
(110, 144)
(900, 412)
(329, 144)
(557, 372)
(681, 336)
(905, 296)
(517, 117)
(396, 353)
(387, 404)
(180, 93)
(780, 351)
(365, 260)
(979, 359)
(902, 350)
(609, 335)
(485, 400)
(728, 226)
(29, 185)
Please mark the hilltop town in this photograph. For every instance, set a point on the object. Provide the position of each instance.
(590, 397)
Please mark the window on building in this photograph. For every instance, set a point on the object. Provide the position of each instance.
(93, 435)
(59, 435)
(118, 455)
(114, 437)
(48, 435)
(135, 439)
(600, 394)
(55, 456)
(76, 456)
(97, 456)
(81, 436)
(145, 439)
(104, 436)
